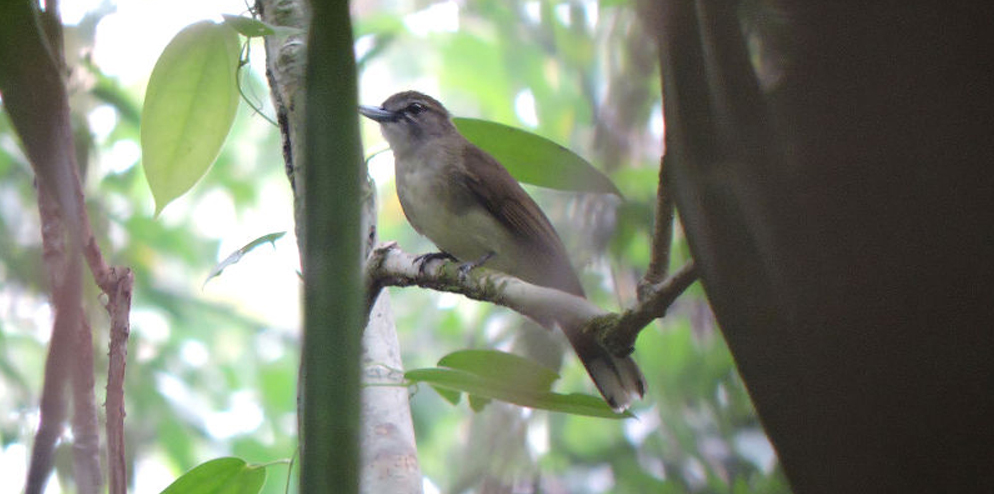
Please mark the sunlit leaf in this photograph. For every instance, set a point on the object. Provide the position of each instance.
(534, 159)
(238, 254)
(189, 107)
(254, 28)
(220, 476)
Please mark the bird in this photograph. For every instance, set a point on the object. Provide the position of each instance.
(464, 201)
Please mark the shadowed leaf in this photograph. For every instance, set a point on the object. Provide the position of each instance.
(493, 364)
(534, 159)
(491, 375)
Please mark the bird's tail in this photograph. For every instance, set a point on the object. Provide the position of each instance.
(618, 379)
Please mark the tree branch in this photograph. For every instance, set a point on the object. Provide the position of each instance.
(119, 308)
(52, 406)
(387, 265)
(662, 236)
(657, 299)
(31, 81)
(85, 424)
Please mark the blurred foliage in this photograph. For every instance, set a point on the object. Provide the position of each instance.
(210, 374)
(205, 376)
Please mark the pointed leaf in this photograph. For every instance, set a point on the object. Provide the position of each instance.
(254, 28)
(189, 107)
(477, 403)
(485, 388)
(238, 254)
(449, 395)
(502, 366)
(220, 476)
(534, 159)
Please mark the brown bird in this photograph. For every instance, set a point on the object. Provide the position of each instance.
(470, 207)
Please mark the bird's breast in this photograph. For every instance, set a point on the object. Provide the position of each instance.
(439, 207)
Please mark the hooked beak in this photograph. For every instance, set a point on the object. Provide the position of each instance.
(379, 114)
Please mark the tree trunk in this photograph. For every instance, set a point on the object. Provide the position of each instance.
(389, 453)
(832, 169)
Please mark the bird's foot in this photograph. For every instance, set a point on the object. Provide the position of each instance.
(466, 267)
(424, 259)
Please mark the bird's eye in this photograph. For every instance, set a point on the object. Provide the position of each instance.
(415, 108)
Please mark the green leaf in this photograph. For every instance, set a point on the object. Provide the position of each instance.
(238, 254)
(502, 366)
(486, 389)
(449, 395)
(534, 159)
(220, 476)
(254, 28)
(476, 403)
(189, 108)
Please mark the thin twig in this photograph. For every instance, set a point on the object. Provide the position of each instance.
(662, 236)
(85, 425)
(119, 308)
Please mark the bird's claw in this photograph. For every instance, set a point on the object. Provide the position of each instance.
(466, 267)
(423, 260)
(464, 270)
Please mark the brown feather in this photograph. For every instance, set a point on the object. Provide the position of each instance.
(517, 211)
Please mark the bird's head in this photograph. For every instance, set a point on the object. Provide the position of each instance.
(410, 119)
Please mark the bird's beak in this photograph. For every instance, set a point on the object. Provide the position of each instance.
(378, 114)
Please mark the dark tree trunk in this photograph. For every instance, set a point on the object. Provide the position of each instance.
(836, 182)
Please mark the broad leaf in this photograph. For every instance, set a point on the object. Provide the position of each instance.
(220, 476)
(534, 159)
(189, 107)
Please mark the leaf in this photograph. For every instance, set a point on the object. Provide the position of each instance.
(220, 476)
(238, 254)
(487, 388)
(476, 403)
(534, 159)
(254, 28)
(492, 364)
(189, 108)
(449, 395)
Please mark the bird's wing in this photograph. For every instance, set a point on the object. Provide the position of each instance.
(517, 211)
